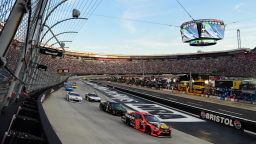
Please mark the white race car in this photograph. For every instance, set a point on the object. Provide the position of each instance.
(75, 97)
(92, 97)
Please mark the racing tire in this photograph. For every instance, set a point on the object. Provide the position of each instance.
(148, 130)
(114, 112)
(127, 122)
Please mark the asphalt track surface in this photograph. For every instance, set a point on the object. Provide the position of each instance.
(207, 130)
(84, 123)
(237, 112)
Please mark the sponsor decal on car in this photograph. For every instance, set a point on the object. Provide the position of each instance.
(221, 119)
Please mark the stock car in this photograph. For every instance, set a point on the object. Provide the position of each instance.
(113, 108)
(75, 97)
(74, 85)
(147, 123)
(92, 97)
(67, 88)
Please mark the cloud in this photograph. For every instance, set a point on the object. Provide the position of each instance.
(128, 24)
(240, 9)
(137, 10)
(237, 7)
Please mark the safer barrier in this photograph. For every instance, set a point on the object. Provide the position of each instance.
(220, 118)
(30, 124)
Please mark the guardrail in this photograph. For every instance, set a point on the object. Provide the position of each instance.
(217, 117)
(30, 123)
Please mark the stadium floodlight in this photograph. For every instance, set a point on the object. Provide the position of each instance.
(75, 13)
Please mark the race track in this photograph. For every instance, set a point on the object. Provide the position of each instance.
(84, 123)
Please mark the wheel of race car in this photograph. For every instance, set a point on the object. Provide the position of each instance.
(127, 122)
(148, 130)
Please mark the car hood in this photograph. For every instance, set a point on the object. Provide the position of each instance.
(160, 125)
(75, 97)
(97, 98)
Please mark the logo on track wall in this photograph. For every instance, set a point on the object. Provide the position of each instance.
(221, 119)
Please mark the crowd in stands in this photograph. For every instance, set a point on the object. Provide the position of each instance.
(239, 65)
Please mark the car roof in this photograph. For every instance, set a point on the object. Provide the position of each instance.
(74, 93)
(143, 113)
(113, 102)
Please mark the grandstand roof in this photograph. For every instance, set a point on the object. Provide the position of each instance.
(174, 56)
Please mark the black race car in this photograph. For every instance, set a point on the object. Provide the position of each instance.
(113, 108)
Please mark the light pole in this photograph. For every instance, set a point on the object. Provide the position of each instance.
(67, 32)
(238, 39)
(59, 22)
(62, 42)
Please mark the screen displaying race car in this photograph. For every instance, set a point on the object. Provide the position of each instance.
(113, 108)
(147, 123)
(92, 97)
(75, 97)
(211, 29)
(189, 31)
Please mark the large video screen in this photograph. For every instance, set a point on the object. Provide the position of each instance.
(189, 31)
(212, 29)
(204, 28)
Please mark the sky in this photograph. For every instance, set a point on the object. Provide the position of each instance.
(117, 35)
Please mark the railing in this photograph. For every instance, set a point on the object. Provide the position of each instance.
(30, 123)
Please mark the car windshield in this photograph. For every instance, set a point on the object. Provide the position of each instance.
(74, 94)
(117, 106)
(151, 118)
(93, 95)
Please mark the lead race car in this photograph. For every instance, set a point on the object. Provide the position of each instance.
(147, 123)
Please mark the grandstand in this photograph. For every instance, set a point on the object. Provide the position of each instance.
(232, 63)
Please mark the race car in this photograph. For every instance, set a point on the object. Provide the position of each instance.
(113, 108)
(75, 97)
(74, 85)
(147, 123)
(67, 88)
(92, 97)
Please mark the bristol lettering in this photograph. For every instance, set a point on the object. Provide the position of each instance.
(221, 119)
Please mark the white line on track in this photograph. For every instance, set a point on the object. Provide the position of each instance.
(194, 103)
(230, 112)
(196, 107)
(160, 104)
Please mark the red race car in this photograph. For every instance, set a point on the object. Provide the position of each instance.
(147, 123)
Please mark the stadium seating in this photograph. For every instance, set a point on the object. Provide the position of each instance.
(238, 65)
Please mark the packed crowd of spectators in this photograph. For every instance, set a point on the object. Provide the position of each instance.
(240, 65)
